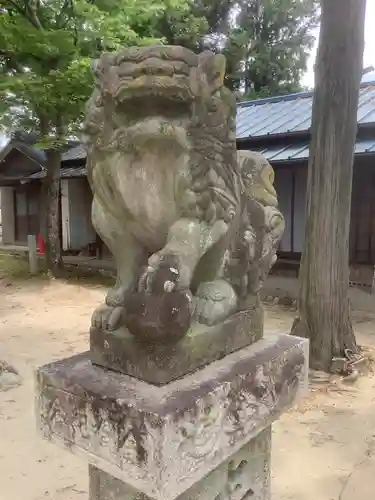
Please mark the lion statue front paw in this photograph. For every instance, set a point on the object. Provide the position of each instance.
(108, 317)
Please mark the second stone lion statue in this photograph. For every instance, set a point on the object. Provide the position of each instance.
(180, 212)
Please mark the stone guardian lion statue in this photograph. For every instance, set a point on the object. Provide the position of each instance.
(178, 207)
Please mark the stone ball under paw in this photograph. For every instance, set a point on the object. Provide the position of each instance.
(159, 318)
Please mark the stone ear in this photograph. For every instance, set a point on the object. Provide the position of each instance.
(214, 66)
(220, 64)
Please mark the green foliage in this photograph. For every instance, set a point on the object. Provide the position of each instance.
(266, 42)
(46, 49)
(204, 24)
(177, 27)
(13, 267)
(268, 47)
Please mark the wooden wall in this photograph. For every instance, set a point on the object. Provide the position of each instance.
(26, 210)
(290, 183)
(362, 228)
(76, 200)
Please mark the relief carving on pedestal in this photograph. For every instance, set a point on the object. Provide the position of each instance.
(231, 413)
(201, 429)
(109, 429)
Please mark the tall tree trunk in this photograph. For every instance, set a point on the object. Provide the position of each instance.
(324, 309)
(52, 206)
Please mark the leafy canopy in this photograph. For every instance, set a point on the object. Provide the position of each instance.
(46, 49)
(46, 52)
(268, 46)
(266, 42)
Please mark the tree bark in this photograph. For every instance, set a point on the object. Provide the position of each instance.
(324, 308)
(52, 213)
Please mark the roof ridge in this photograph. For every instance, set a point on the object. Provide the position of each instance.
(278, 98)
(289, 97)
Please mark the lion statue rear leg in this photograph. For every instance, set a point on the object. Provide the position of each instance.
(214, 302)
(215, 299)
(129, 255)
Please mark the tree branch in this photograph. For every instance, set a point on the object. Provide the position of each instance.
(59, 126)
(43, 122)
(16, 7)
(31, 7)
(29, 12)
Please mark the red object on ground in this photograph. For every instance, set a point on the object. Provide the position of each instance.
(41, 244)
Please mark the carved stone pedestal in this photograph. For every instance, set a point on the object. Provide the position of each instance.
(205, 436)
(244, 476)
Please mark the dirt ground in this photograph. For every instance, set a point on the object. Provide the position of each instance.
(322, 450)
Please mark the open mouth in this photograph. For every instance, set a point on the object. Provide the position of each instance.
(155, 109)
(176, 88)
(140, 108)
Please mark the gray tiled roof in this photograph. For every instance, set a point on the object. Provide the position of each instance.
(295, 152)
(64, 173)
(35, 154)
(291, 114)
(76, 153)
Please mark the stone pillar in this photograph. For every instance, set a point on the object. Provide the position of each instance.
(204, 436)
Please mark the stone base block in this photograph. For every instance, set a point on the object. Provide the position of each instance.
(245, 476)
(161, 441)
(159, 363)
